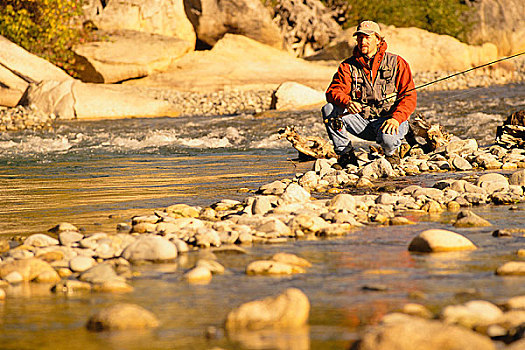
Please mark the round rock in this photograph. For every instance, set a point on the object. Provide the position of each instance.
(437, 240)
(81, 263)
(154, 248)
(122, 317)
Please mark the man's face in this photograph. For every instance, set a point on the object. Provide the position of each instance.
(367, 44)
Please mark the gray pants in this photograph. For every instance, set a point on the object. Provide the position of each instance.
(366, 129)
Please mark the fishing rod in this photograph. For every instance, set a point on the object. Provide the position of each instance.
(449, 76)
(394, 95)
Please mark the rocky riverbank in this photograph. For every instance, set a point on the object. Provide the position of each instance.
(322, 202)
(239, 101)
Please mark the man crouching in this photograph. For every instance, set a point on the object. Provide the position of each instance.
(371, 96)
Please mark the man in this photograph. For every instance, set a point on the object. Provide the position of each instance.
(368, 97)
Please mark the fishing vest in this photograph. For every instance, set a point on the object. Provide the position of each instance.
(372, 94)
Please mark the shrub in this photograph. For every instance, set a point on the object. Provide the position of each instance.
(47, 28)
(449, 17)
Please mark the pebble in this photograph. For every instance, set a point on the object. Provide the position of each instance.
(516, 268)
(269, 267)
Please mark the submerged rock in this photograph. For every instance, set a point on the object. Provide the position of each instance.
(122, 317)
(399, 331)
(287, 310)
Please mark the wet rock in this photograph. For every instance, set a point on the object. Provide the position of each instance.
(269, 267)
(274, 225)
(199, 274)
(2, 294)
(63, 226)
(122, 317)
(263, 204)
(436, 240)
(207, 237)
(295, 193)
(518, 178)
(40, 240)
(153, 248)
(71, 286)
(182, 211)
(512, 268)
(398, 331)
(67, 238)
(81, 263)
(29, 269)
(515, 303)
(467, 218)
(462, 146)
(99, 274)
(213, 266)
(400, 220)
(13, 277)
(377, 169)
(291, 259)
(307, 224)
(493, 182)
(342, 202)
(461, 163)
(418, 310)
(113, 286)
(47, 277)
(453, 206)
(144, 227)
(275, 188)
(471, 314)
(288, 310)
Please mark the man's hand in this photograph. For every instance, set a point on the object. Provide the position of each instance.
(354, 107)
(390, 126)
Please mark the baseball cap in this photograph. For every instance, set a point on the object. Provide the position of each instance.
(368, 28)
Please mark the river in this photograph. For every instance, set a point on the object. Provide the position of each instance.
(96, 174)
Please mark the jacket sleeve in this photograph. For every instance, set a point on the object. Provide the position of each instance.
(404, 82)
(338, 91)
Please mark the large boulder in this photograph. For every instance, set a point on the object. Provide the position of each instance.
(212, 19)
(164, 17)
(111, 60)
(19, 68)
(292, 96)
(76, 100)
(239, 61)
(501, 22)
(405, 332)
(423, 50)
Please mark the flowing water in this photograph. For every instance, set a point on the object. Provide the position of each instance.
(99, 173)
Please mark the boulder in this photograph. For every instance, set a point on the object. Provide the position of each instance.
(237, 60)
(437, 240)
(122, 317)
(212, 19)
(269, 267)
(511, 268)
(29, 269)
(467, 218)
(287, 310)
(164, 17)
(293, 96)
(154, 248)
(111, 60)
(19, 68)
(76, 100)
(500, 22)
(423, 50)
(399, 331)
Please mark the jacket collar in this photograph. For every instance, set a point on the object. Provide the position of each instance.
(371, 72)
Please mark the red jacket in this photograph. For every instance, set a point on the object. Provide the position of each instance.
(339, 91)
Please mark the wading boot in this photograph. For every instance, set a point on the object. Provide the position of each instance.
(393, 158)
(346, 158)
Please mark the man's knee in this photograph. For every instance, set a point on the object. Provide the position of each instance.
(327, 110)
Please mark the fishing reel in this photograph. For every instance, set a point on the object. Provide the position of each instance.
(336, 123)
